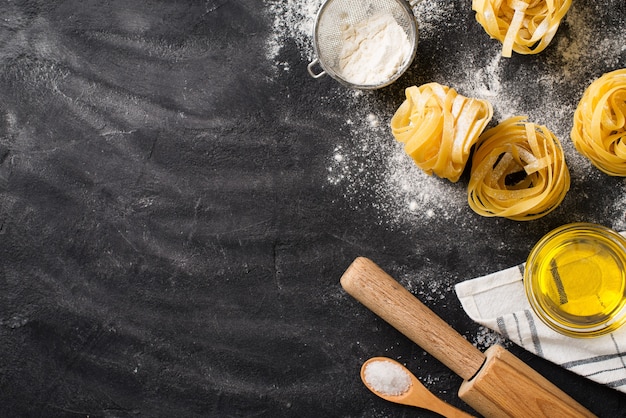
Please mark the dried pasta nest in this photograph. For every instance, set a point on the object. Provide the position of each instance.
(523, 26)
(518, 171)
(438, 127)
(599, 130)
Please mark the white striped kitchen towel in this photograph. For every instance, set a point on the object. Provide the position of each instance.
(498, 302)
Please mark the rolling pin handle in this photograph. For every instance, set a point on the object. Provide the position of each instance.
(387, 298)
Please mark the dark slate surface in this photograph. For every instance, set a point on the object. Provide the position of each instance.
(171, 244)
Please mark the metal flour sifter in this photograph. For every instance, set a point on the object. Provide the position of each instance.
(328, 37)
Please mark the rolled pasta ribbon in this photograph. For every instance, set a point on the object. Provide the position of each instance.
(438, 127)
(518, 171)
(523, 26)
(599, 130)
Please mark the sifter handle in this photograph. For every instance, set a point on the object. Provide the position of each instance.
(384, 296)
(311, 67)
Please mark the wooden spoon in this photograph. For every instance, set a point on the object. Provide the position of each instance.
(416, 395)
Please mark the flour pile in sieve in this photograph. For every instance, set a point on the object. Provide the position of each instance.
(373, 50)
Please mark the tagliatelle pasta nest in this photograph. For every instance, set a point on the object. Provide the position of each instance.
(518, 171)
(599, 130)
(523, 26)
(438, 127)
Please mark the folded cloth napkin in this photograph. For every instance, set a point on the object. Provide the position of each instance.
(498, 302)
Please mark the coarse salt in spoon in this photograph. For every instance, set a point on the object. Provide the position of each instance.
(395, 383)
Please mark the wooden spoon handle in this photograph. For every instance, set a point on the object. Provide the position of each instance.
(384, 296)
(421, 397)
(449, 411)
(427, 400)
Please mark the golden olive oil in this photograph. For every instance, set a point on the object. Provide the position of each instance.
(576, 279)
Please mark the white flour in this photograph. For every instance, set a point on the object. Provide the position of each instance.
(372, 169)
(588, 42)
(293, 21)
(397, 188)
(372, 50)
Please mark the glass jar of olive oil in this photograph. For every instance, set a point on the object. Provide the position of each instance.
(575, 279)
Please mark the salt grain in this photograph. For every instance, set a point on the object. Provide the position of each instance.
(387, 378)
(485, 338)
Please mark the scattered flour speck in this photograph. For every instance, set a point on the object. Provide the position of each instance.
(373, 120)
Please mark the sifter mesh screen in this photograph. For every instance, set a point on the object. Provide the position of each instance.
(337, 14)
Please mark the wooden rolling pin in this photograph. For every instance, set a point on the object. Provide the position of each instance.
(496, 383)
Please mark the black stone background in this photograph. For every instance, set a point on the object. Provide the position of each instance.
(170, 244)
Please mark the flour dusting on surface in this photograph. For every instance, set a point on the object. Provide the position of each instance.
(432, 15)
(585, 44)
(292, 21)
(377, 170)
(373, 169)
